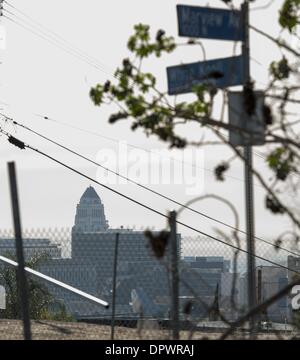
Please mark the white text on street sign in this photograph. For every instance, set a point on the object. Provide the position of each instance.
(182, 78)
(210, 23)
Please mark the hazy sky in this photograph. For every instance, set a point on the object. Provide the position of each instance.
(38, 78)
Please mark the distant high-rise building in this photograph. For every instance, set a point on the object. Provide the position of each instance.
(206, 275)
(90, 267)
(90, 216)
(293, 264)
(270, 280)
(293, 274)
(31, 248)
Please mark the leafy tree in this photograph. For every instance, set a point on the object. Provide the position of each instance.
(139, 100)
(40, 299)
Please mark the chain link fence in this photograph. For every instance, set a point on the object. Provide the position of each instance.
(132, 271)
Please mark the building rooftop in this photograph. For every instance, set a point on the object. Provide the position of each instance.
(90, 193)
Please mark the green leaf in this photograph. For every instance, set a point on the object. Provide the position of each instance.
(96, 94)
(288, 15)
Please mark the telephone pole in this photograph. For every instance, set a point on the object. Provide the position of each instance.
(249, 199)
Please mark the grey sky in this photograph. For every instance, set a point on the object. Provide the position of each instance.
(38, 78)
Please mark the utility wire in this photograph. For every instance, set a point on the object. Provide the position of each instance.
(71, 50)
(47, 118)
(143, 186)
(115, 140)
(20, 144)
(85, 57)
(55, 43)
(62, 44)
(134, 146)
(55, 35)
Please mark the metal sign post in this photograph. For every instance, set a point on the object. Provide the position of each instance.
(223, 24)
(175, 276)
(249, 182)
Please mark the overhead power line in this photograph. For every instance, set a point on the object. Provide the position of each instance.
(145, 187)
(58, 40)
(20, 144)
(97, 134)
(55, 39)
(117, 141)
(55, 35)
(42, 36)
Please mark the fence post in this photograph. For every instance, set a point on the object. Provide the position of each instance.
(114, 287)
(21, 275)
(259, 294)
(174, 276)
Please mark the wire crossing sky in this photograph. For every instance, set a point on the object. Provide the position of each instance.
(20, 144)
(147, 188)
(52, 74)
